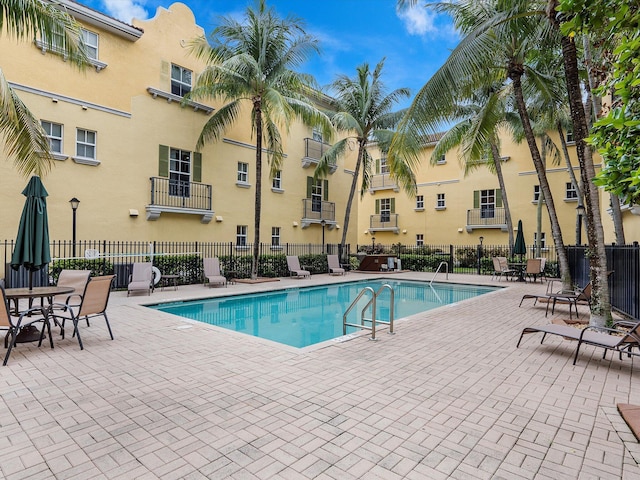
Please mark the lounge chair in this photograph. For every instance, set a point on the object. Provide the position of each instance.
(501, 268)
(212, 273)
(95, 298)
(24, 320)
(293, 263)
(543, 265)
(141, 278)
(616, 339)
(553, 297)
(335, 268)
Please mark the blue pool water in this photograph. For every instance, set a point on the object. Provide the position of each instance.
(300, 317)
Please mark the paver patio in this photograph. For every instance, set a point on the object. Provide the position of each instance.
(447, 396)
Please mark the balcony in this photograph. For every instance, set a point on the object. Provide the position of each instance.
(382, 182)
(316, 211)
(384, 222)
(482, 218)
(173, 196)
(313, 151)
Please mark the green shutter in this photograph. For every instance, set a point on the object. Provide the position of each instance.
(498, 198)
(163, 161)
(309, 186)
(378, 165)
(476, 199)
(392, 205)
(325, 190)
(377, 206)
(197, 167)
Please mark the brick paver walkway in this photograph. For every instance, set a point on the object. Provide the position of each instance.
(448, 396)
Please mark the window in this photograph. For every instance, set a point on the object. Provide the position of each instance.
(543, 239)
(536, 193)
(487, 203)
(85, 143)
(316, 196)
(317, 135)
(440, 201)
(275, 236)
(442, 160)
(241, 235)
(243, 172)
(90, 43)
(570, 192)
(57, 41)
(385, 209)
(384, 168)
(420, 239)
(180, 80)
(179, 172)
(419, 202)
(54, 132)
(570, 136)
(276, 182)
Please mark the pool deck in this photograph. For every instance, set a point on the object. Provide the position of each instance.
(447, 396)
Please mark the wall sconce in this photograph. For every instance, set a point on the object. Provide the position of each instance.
(219, 218)
(295, 224)
(133, 212)
(366, 232)
(460, 230)
(404, 231)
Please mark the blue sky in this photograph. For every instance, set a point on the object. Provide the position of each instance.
(351, 32)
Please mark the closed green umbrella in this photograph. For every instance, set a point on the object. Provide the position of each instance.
(32, 241)
(519, 247)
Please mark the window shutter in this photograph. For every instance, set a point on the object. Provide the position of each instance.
(377, 206)
(309, 186)
(498, 198)
(392, 205)
(377, 165)
(197, 167)
(476, 199)
(163, 161)
(325, 190)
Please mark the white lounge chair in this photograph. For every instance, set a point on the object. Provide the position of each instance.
(294, 267)
(212, 273)
(141, 278)
(334, 265)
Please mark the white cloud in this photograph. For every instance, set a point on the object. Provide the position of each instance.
(125, 10)
(417, 20)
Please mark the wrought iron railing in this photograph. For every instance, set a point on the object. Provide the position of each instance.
(384, 220)
(166, 192)
(318, 210)
(382, 181)
(314, 149)
(486, 216)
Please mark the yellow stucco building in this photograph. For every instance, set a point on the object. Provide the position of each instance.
(124, 146)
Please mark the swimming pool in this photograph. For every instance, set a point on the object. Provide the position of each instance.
(305, 316)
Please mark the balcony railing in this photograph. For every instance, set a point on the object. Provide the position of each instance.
(384, 221)
(314, 211)
(486, 218)
(168, 195)
(382, 182)
(313, 151)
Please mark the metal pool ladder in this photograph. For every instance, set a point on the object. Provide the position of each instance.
(372, 303)
(438, 270)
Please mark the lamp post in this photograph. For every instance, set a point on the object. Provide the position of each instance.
(323, 222)
(579, 212)
(480, 255)
(373, 244)
(74, 206)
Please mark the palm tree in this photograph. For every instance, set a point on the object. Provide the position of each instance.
(498, 37)
(480, 116)
(364, 110)
(24, 139)
(252, 61)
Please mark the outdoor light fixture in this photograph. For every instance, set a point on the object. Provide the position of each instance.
(323, 222)
(74, 206)
(481, 240)
(580, 211)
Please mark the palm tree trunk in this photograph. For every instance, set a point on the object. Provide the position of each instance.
(600, 305)
(616, 213)
(352, 193)
(257, 112)
(507, 212)
(515, 74)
